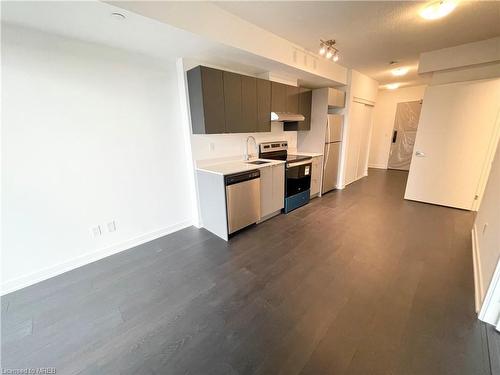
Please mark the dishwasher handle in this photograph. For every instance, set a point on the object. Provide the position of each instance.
(236, 178)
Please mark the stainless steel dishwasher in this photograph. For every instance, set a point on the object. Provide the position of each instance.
(242, 199)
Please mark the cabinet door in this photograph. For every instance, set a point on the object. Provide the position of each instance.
(249, 104)
(266, 191)
(316, 175)
(263, 105)
(305, 102)
(278, 97)
(292, 99)
(278, 187)
(233, 102)
(336, 98)
(206, 100)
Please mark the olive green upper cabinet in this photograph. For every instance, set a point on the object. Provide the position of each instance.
(278, 97)
(206, 100)
(263, 105)
(292, 99)
(305, 103)
(249, 107)
(233, 102)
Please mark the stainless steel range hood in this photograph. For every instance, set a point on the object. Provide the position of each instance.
(286, 117)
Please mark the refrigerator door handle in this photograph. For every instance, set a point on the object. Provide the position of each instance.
(325, 165)
(327, 140)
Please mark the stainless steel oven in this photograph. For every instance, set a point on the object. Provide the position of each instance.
(298, 170)
(298, 184)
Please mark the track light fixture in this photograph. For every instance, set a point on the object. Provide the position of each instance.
(327, 48)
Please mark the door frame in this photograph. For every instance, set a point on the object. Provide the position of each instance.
(485, 172)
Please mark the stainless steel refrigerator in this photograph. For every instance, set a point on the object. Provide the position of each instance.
(333, 145)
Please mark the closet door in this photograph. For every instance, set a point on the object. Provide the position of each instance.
(354, 140)
(364, 145)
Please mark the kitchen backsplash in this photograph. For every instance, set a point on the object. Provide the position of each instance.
(212, 146)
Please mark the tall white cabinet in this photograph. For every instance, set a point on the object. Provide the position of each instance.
(358, 142)
(362, 95)
(317, 168)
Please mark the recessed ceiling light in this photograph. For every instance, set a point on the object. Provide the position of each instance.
(392, 86)
(399, 71)
(438, 9)
(117, 16)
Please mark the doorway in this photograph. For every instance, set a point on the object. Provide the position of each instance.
(404, 134)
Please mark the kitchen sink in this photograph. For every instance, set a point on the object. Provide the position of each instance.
(257, 162)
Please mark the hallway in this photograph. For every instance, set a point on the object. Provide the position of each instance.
(359, 281)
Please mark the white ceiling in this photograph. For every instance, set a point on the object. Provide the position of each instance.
(370, 34)
(91, 21)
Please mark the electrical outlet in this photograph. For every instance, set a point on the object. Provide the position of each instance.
(211, 146)
(111, 226)
(96, 231)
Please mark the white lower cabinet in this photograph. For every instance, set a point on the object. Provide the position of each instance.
(272, 189)
(317, 168)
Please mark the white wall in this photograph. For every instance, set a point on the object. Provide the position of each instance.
(216, 24)
(487, 236)
(213, 146)
(383, 121)
(464, 55)
(90, 134)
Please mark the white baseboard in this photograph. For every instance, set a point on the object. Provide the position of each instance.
(44, 274)
(478, 287)
(378, 166)
(490, 308)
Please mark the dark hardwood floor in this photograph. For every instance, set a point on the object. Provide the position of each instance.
(359, 281)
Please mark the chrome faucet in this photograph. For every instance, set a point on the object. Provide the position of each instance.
(246, 155)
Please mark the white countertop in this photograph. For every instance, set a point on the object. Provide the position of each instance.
(311, 154)
(235, 166)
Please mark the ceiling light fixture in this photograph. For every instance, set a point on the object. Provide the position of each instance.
(327, 48)
(117, 16)
(398, 72)
(438, 9)
(392, 86)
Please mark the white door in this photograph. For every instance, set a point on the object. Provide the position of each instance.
(404, 134)
(354, 140)
(359, 128)
(454, 144)
(364, 145)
